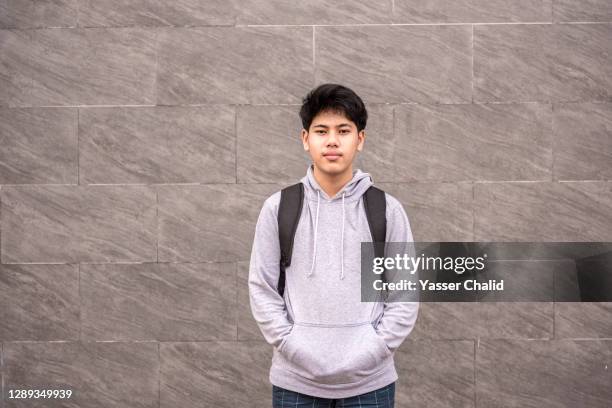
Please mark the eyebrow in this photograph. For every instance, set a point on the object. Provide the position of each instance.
(325, 126)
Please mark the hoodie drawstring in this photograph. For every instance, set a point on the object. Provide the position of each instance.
(314, 250)
(342, 242)
(352, 191)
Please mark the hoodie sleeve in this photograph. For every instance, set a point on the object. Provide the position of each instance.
(398, 318)
(267, 306)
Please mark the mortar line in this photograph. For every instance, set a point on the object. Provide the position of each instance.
(314, 66)
(78, 131)
(2, 372)
(554, 307)
(472, 79)
(552, 147)
(236, 107)
(1, 192)
(158, 374)
(552, 11)
(473, 211)
(236, 297)
(308, 25)
(395, 138)
(475, 371)
(157, 225)
(80, 302)
(211, 105)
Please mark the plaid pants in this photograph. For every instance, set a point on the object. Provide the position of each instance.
(381, 398)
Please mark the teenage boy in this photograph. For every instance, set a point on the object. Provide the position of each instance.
(329, 347)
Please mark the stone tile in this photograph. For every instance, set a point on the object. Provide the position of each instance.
(39, 145)
(391, 64)
(471, 11)
(52, 61)
(543, 211)
(157, 145)
(380, 144)
(436, 211)
(15, 82)
(583, 320)
(220, 374)
(118, 66)
(269, 146)
(447, 321)
(78, 66)
(515, 320)
(314, 12)
(473, 142)
(516, 373)
(471, 320)
(247, 326)
(78, 224)
(37, 14)
(39, 302)
(237, 65)
(576, 10)
(155, 13)
(163, 302)
(583, 141)
(104, 374)
(542, 62)
(209, 222)
(583, 61)
(435, 374)
(513, 63)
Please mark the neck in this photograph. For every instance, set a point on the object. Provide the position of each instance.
(331, 183)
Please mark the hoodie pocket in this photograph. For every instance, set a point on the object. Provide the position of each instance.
(334, 354)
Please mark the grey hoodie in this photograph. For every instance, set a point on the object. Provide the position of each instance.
(327, 343)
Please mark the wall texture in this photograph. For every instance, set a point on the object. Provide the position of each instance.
(138, 140)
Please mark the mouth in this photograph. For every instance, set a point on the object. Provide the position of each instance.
(332, 156)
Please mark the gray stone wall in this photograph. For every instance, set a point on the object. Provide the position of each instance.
(139, 139)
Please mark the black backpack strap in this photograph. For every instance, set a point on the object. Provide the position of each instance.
(289, 211)
(375, 205)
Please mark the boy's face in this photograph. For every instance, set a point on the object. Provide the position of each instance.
(332, 132)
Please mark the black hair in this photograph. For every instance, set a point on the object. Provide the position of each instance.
(335, 98)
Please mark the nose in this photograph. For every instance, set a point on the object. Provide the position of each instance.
(332, 139)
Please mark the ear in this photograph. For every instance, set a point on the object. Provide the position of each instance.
(361, 139)
(305, 139)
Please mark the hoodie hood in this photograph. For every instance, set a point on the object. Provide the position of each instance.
(352, 191)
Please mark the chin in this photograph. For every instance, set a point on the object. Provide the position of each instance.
(331, 167)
